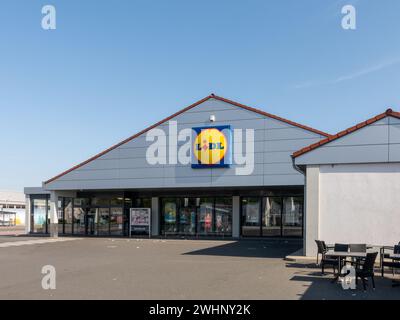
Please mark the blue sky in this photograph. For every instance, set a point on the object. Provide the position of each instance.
(114, 67)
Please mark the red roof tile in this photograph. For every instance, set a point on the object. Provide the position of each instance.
(211, 96)
(388, 112)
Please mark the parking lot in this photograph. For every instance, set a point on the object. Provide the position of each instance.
(105, 268)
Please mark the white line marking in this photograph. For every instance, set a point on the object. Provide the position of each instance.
(32, 242)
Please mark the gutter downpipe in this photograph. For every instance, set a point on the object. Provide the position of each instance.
(303, 172)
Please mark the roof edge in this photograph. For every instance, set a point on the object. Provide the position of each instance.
(211, 96)
(388, 113)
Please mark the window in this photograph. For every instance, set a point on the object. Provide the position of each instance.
(39, 215)
(104, 221)
(68, 215)
(223, 216)
(251, 216)
(206, 216)
(272, 217)
(169, 214)
(79, 221)
(293, 216)
(116, 221)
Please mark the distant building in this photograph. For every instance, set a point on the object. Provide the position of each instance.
(12, 208)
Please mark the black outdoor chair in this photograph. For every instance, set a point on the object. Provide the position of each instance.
(322, 248)
(366, 270)
(357, 247)
(393, 264)
(341, 247)
(326, 260)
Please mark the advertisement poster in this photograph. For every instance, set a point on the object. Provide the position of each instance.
(140, 221)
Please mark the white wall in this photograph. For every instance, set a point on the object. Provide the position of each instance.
(359, 203)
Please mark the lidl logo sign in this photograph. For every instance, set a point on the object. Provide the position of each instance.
(211, 147)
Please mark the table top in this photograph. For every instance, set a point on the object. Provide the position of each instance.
(395, 256)
(346, 254)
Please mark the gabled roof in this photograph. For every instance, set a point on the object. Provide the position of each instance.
(211, 96)
(387, 113)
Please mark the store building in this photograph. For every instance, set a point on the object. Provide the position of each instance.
(353, 184)
(12, 208)
(215, 168)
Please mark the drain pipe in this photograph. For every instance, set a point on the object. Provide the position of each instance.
(303, 172)
(297, 168)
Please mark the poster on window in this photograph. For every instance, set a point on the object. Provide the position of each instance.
(140, 221)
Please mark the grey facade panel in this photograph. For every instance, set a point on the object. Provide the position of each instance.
(377, 142)
(394, 133)
(345, 154)
(127, 166)
(394, 153)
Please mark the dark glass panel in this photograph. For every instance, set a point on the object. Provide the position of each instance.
(251, 216)
(68, 215)
(103, 224)
(272, 217)
(116, 221)
(223, 216)
(205, 224)
(293, 216)
(169, 213)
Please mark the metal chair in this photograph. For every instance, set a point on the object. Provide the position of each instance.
(322, 248)
(357, 247)
(393, 264)
(366, 270)
(326, 260)
(340, 247)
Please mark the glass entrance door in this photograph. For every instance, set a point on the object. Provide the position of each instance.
(91, 222)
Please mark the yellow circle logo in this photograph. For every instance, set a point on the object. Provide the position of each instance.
(210, 146)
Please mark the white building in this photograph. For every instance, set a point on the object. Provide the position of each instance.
(12, 202)
(353, 184)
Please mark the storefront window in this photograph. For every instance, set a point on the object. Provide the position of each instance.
(169, 213)
(223, 216)
(79, 221)
(187, 216)
(116, 221)
(293, 216)
(272, 217)
(281, 216)
(60, 215)
(206, 216)
(39, 216)
(103, 221)
(68, 215)
(251, 216)
(91, 221)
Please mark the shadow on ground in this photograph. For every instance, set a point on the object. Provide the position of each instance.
(319, 287)
(252, 249)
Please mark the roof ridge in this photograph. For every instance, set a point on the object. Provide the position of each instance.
(388, 113)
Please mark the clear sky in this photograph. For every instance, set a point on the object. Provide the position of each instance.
(111, 68)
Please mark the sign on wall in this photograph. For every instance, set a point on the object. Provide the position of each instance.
(140, 220)
(211, 147)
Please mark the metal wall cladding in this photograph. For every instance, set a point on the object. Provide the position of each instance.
(127, 166)
(375, 143)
